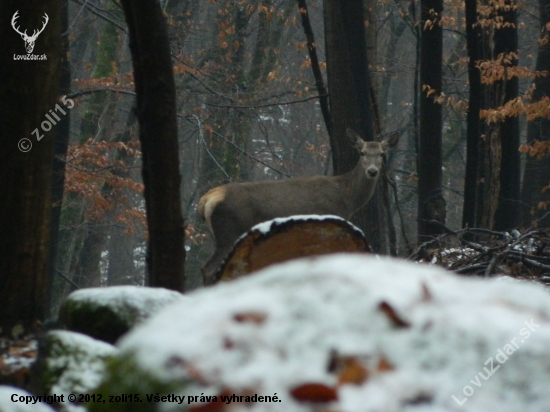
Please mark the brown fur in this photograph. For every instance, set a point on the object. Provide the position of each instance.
(232, 209)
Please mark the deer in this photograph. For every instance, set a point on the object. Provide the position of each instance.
(29, 40)
(233, 209)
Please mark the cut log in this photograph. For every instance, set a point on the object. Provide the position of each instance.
(290, 238)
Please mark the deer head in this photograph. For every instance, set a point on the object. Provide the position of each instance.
(29, 40)
(372, 153)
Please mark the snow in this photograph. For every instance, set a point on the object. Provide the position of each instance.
(279, 329)
(265, 227)
(7, 403)
(21, 358)
(77, 361)
(133, 302)
(452, 256)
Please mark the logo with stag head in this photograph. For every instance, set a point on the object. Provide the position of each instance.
(29, 40)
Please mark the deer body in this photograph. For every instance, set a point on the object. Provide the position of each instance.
(232, 209)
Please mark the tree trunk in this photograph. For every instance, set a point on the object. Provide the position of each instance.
(28, 92)
(431, 205)
(94, 232)
(508, 212)
(370, 8)
(483, 145)
(120, 245)
(315, 67)
(537, 171)
(349, 95)
(396, 32)
(156, 113)
(60, 146)
(491, 185)
(122, 270)
(475, 44)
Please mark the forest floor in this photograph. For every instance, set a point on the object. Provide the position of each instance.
(487, 253)
(16, 358)
(469, 252)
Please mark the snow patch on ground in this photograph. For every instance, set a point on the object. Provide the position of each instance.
(439, 335)
(9, 393)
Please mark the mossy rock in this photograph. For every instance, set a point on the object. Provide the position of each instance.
(129, 388)
(108, 313)
(326, 333)
(69, 362)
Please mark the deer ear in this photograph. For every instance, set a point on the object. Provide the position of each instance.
(355, 139)
(391, 140)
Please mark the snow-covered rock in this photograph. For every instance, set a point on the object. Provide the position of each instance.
(17, 400)
(70, 362)
(345, 333)
(108, 313)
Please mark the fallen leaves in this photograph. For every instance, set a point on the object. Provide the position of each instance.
(314, 392)
(352, 372)
(250, 317)
(390, 312)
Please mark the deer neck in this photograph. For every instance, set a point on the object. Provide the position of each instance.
(358, 187)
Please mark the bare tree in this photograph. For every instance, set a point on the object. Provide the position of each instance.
(474, 124)
(507, 215)
(431, 205)
(28, 93)
(156, 113)
(350, 87)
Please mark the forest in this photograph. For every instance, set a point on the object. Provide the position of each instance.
(119, 116)
(253, 102)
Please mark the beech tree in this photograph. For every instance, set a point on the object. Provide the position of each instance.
(156, 113)
(475, 42)
(492, 183)
(349, 86)
(507, 215)
(536, 178)
(60, 146)
(28, 92)
(431, 204)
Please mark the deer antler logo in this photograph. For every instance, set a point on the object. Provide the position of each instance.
(29, 40)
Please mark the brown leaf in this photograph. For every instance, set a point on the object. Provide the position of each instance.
(228, 343)
(252, 317)
(352, 372)
(392, 314)
(384, 365)
(426, 294)
(314, 392)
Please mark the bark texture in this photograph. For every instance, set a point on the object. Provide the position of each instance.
(537, 171)
(156, 113)
(349, 87)
(28, 91)
(431, 204)
(507, 215)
